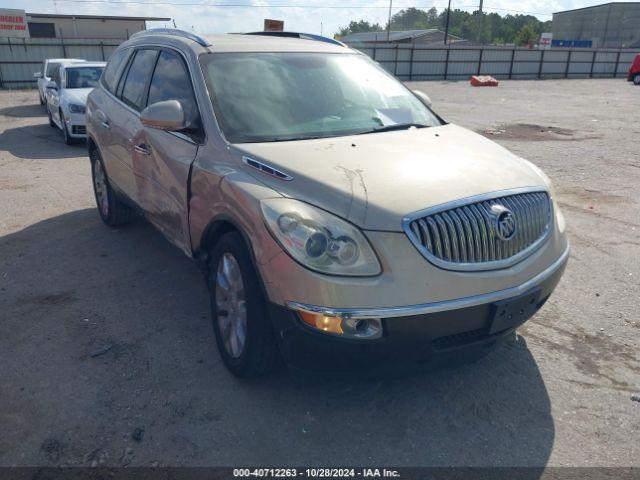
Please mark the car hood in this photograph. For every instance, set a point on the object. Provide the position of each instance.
(374, 180)
(78, 95)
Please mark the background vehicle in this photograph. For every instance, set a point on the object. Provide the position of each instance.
(66, 97)
(634, 71)
(49, 66)
(340, 222)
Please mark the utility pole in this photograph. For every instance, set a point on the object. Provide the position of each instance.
(389, 24)
(480, 22)
(446, 27)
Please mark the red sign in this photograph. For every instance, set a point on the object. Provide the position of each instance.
(273, 25)
(13, 23)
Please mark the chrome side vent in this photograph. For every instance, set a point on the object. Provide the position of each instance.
(264, 168)
(485, 232)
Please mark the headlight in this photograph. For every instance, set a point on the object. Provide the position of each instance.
(74, 108)
(319, 240)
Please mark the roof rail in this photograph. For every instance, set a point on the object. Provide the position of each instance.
(175, 32)
(304, 36)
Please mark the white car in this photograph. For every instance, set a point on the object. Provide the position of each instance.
(66, 97)
(49, 66)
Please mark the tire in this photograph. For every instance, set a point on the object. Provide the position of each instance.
(258, 354)
(65, 133)
(51, 122)
(112, 210)
(636, 79)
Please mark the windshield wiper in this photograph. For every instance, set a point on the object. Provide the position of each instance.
(395, 126)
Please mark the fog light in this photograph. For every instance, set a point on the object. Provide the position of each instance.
(363, 328)
(326, 324)
(346, 327)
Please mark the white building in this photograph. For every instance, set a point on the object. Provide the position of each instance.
(51, 25)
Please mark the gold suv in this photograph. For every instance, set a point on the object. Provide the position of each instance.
(341, 223)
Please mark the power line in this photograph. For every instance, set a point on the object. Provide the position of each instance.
(242, 5)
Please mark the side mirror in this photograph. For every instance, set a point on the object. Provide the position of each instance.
(423, 97)
(37, 75)
(167, 115)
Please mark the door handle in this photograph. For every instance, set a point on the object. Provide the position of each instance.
(142, 148)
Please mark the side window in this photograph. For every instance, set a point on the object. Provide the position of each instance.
(135, 86)
(51, 68)
(171, 81)
(56, 77)
(112, 71)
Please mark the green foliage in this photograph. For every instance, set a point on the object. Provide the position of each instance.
(415, 19)
(485, 28)
(527, 35)
(358, 27)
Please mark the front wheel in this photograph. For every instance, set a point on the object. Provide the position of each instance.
(112, 210)
(65, 132)
(51, 122)
(243, 329)
(636, 79)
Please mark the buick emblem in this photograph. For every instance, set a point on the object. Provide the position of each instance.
(505, 222)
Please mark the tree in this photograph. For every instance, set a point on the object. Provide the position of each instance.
(360, 26)
(527, 35)
(414, 19)
(488, 28)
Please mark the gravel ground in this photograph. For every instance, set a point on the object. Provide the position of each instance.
(108, 355)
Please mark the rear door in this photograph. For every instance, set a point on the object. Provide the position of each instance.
(122, 122)
(53, 96)
(41, 79)
(102, 106)
(162, 160)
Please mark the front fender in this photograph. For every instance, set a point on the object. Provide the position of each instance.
(233, 196)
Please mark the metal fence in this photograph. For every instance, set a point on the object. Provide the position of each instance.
(20, 58)
(414, 62)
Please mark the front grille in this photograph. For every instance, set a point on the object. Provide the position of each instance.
(79, 129)
(484, 232)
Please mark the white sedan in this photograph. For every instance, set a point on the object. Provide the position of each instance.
(67, 95)
(49, 66)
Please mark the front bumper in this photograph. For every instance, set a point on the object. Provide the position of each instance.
(76, 125)
(434, 333)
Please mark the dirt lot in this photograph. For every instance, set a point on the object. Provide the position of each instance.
(108, 356)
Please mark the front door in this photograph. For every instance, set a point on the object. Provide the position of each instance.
(162, 160)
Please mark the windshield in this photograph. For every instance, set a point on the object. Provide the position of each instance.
(83, 77)
(262, 97)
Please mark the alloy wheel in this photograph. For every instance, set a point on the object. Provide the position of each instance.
(231, 305)
(100, 184)
(65, 132)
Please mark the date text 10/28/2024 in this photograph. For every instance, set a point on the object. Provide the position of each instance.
(315, 473)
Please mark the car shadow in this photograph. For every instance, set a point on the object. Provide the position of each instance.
(40, 142)
(24, 111)
(107, 331)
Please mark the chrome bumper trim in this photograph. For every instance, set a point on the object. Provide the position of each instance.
(409, 310)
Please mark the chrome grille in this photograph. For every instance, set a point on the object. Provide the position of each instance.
(464, 235)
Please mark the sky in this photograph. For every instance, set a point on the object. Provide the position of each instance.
(311, 16)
